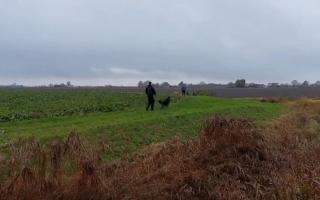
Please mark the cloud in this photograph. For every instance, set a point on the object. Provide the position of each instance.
(123, 71)
(123, 41)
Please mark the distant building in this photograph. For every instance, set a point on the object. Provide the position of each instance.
(165, 85)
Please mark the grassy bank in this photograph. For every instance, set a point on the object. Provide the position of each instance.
(126, 130)
(229, 159)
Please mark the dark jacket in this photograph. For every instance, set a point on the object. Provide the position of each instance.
(150, 91)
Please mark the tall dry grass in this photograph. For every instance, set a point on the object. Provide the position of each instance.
(296, 140)
(231, 159)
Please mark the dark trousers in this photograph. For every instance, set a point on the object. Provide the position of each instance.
(150, 103)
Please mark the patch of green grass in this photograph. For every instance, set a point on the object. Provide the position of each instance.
(127, 130)
(33, 103)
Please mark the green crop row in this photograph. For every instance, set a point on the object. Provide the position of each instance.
(24, 104)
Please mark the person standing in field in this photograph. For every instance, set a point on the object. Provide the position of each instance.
(183, 89)
(150, 92)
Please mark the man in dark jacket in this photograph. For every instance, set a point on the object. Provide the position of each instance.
(150, 92)
(183, 89)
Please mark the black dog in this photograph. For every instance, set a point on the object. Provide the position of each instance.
(165, 102)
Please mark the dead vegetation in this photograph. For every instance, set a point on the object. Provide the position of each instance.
(231, 159)
(277, 99)
(270, 100)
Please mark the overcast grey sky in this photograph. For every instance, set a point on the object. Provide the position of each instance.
(98, 42)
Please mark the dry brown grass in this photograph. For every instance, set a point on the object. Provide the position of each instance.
(296, 138)
(283, 100)
(270, 100)
(231, 159)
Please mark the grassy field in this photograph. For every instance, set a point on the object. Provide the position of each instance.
(35, 103)
(106, 154)
(118, 120)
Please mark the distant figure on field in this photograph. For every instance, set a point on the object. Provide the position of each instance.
(183, 89)
(150, 92)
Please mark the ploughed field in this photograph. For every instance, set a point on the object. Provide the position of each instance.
(289, 92)
(223, 91)
(113, 119)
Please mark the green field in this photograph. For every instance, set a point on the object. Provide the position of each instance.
(116, 119)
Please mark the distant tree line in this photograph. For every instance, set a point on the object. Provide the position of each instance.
(61, 85)
(240, 83)
(295, 83)
(142, 84)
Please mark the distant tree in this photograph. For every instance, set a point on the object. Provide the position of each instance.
(69, 84)
(256, 85)
(273, 85)
(240, 83)
(284, 85)
(143, 83)
(231, 84)
(305, 84)
(295, 83)
(202, 83)
(60, 85)
(317, 83)
(165, 84)
(140, 84)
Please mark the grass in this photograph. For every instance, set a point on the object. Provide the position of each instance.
(224, 157)
(34, 103)
(124, 131)
(229, 159)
